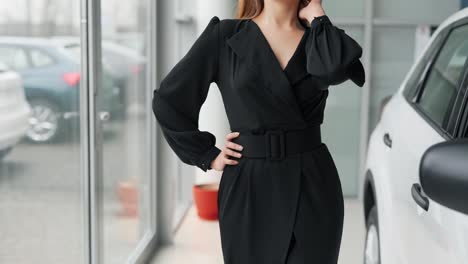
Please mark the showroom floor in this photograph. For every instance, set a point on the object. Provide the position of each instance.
(198, 241)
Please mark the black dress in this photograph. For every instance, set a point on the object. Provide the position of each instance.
(270, 211)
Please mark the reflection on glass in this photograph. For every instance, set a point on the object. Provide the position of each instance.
(41, 211)
(442, 84)
(125, 182)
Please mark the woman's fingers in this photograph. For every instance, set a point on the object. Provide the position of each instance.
(230, 144)
(233, 146)
(232, 135)
(230, 147)
(230, 161)
(232, 153)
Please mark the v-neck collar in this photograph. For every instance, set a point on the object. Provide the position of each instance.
(254, 53)
(270, 49)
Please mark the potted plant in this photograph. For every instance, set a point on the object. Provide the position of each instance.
(205, 196)
(127, 192)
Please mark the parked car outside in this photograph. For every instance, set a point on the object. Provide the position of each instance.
(416, 183)
(131, 40)
(14, 110)
(123, 64)
(51, 78)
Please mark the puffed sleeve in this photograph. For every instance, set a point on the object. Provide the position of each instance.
(177, 101)
(332, 55)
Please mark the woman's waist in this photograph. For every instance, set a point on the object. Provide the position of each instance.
(259, 129)
(278, 143)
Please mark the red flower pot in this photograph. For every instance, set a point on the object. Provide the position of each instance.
(128, 196)
(206, 201)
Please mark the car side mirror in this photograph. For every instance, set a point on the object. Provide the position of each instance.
(444, 174)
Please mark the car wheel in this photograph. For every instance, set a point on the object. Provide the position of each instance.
(45, 124)
(372, 246)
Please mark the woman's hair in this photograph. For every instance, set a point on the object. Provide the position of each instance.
(247, 9)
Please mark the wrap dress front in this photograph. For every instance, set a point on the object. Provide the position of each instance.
(270, 211)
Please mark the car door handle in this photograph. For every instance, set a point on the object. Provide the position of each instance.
(387, 140)
(419, 198)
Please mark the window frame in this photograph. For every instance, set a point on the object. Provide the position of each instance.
(428, 58)
(461, 128)
(413, 96)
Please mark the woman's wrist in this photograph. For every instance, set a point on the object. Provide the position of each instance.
(314, 10)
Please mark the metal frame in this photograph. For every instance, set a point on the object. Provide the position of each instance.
(463, 128)
(90, 123)
(85, 134)
(91, 135)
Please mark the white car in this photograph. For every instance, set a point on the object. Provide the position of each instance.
(415, 191)
(14, 110)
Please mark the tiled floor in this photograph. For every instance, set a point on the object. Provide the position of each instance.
(198, 241)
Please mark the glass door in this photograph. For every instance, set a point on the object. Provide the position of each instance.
(75, 135)
(122, 129)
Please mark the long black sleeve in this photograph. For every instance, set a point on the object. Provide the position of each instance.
(332, 55)
(177, 102)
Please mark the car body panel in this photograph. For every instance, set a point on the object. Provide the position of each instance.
(408, 233)
(14, 110)
(406, 128)
(47, 82)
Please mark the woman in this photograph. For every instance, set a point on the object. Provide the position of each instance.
(280, 198)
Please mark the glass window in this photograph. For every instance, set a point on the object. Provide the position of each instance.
(414, 79)
(466, 131)
(47, 196)
(42, 216)
(442, 84)
(123, 93)
(74, 51)
(40, 59)
(14, 57)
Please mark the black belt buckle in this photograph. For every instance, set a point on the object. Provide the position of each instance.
(274, 143)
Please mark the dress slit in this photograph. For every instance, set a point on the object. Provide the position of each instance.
(291, 250)
(292, 253)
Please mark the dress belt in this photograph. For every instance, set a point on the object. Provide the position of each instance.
(278, 144)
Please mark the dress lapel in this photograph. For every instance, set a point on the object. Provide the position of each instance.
(296, 70)
(250, 45)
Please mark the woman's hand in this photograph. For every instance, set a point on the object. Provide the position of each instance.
(311, 10)
(229, 150)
